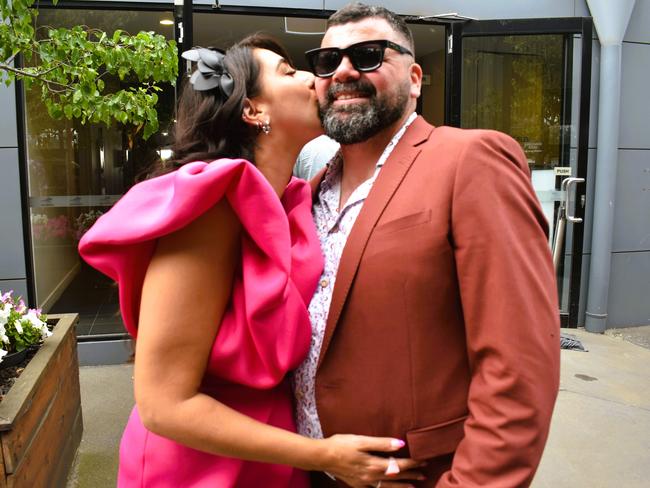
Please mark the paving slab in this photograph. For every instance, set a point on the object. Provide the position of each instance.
(636, 335)
(106, 403)
(600, 432)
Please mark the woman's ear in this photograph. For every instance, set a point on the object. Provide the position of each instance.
(252, 113)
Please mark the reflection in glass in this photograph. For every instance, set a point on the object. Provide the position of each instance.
(76, 172)
(521, 85)
(515, 84)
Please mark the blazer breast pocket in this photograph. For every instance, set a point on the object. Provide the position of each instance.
(404, 222)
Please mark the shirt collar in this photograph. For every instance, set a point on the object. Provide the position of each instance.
(396, 138)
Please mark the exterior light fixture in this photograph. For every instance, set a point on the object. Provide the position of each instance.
(165, 153)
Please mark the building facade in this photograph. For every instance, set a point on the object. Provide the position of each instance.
(531, 68)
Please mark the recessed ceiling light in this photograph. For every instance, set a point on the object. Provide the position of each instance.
(166, 22)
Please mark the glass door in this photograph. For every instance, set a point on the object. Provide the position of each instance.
(76, 172)
(531, 79)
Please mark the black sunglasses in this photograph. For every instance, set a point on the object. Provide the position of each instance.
(365, 56)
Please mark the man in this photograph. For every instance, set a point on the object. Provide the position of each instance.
(436, 318)
(316, 154)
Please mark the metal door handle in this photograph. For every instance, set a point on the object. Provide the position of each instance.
(566, 186)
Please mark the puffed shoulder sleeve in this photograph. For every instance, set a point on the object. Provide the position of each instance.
(122, 241)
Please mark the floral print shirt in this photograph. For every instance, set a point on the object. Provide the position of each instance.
(333, 229)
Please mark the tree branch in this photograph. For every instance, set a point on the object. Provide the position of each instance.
(43, 73)
(37, 76)
(10, 60)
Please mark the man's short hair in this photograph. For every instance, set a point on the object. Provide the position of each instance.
(357, 11)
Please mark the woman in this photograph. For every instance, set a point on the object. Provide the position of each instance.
(215, 263)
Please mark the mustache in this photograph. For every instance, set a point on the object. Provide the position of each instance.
(363, 87)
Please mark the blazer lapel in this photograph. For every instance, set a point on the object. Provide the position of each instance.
(389, 179)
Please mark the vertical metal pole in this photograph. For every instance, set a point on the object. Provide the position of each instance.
(178, 37)
(611, 20)
(453, 74)
(184, 29)
(188, 25)
(606, 170)
(583, 158)
(560, 227)
(23, 174)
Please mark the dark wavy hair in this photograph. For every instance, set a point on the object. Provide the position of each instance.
(357, 11)
(209, 128)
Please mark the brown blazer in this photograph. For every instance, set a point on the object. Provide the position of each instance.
(444, 324)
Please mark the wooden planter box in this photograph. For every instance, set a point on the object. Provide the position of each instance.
(40, 416)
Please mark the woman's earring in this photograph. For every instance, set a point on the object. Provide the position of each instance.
(266, 127)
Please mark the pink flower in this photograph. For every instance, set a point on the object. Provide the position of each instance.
(21, 307)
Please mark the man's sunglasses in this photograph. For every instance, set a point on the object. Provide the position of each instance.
(365, 56)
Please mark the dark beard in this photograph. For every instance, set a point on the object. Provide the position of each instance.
(352, 124)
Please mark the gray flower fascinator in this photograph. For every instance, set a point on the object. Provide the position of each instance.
(211, 71)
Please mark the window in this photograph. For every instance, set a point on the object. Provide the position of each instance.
(76, 172)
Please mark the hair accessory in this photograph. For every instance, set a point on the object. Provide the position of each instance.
(211, 71)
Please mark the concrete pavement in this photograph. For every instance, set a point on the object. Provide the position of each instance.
(600, 433)
(106, 402)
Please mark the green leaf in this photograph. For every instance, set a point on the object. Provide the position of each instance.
(56, 112)
(66, 63)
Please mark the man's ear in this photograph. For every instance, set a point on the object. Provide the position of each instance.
(415, 72)
(253, 113)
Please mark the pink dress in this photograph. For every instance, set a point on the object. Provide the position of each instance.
(264, 333)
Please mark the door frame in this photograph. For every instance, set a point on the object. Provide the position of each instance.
(457, 31)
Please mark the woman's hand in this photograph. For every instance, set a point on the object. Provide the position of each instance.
(348, 460)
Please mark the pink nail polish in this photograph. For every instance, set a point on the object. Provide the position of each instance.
(397, 443)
